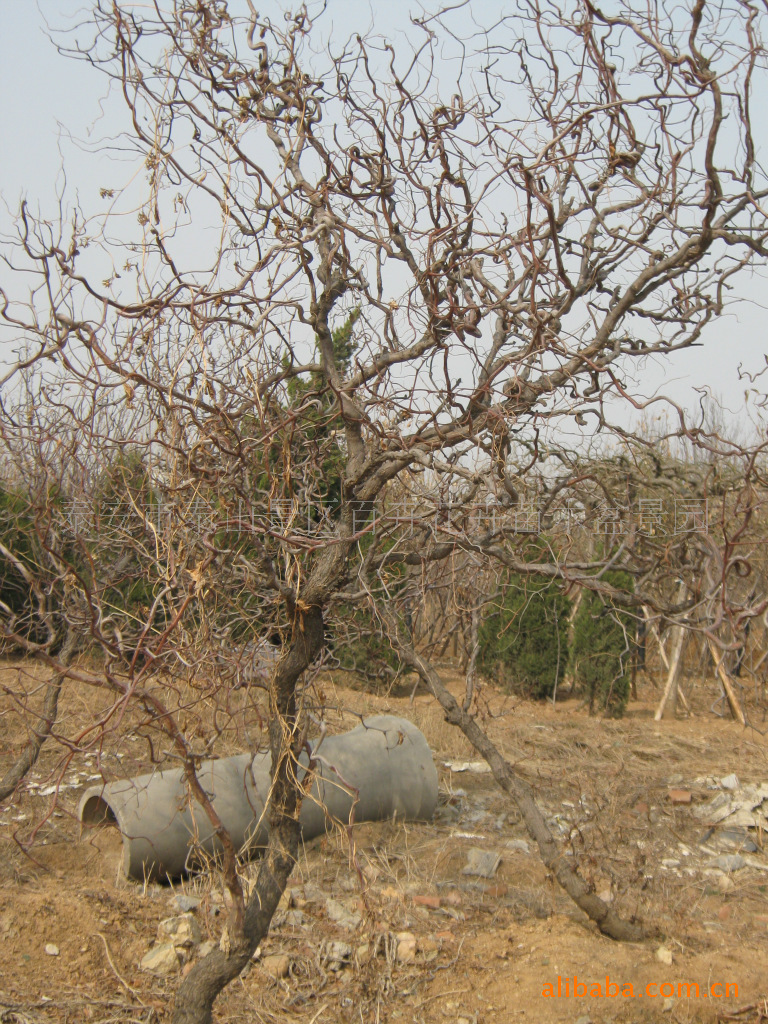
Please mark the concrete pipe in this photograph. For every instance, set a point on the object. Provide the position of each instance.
(384, 763)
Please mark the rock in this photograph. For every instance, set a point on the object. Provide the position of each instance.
(716, 809)
(730, 781)
(206, 947)
(477, 767)
(709, 781)
(518, 845)
(457, 915)
(185, 903)
(182, 931)
(679, 796)
(51, 949)
(341, 915)
(675, 780)
(162, 960)
(584, 1020)
(338, 953)
(445, 936)
(294, 918)
(362, 953)
(483, 863)
(724, 913)
(476, 817)
(664, 955)
(746, 816)
(313, 893)
(453, 898)
(559, 824)
(669, 1004)
(725, 883)
(738, 837)
(406, 947)
(278, 965)
(729, 862)
(433, 902)
(449, 813)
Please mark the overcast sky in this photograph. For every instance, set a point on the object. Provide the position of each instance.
(50, 101)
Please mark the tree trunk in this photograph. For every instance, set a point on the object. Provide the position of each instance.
(243, 934)
(199, 990)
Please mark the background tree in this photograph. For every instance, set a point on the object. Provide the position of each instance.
(602, 649)
(523, 642)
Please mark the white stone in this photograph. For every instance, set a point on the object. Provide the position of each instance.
(729, 862)
(518, 845)
(338, 954)
(162, 960)
(182, 930)
(277, 964)
(342, 915)
(185, 902)
(483, 863)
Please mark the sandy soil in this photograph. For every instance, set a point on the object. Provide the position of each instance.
(491, 949)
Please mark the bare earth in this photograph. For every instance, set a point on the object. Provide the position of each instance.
(485, 950)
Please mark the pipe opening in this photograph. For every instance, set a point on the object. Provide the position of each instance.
(97, 811)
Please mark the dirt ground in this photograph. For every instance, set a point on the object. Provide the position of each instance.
(482, 950)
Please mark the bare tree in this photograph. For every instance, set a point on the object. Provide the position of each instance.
(435, 264)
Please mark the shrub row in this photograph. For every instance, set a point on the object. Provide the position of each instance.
(530, 641)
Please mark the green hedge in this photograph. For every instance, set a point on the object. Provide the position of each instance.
(524, 637)
(18, 536)
(601, 648)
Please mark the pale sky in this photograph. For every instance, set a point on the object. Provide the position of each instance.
(49, 101)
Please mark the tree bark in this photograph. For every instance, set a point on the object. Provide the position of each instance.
(199, 990)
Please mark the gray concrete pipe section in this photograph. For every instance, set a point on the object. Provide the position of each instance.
(166, 834)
